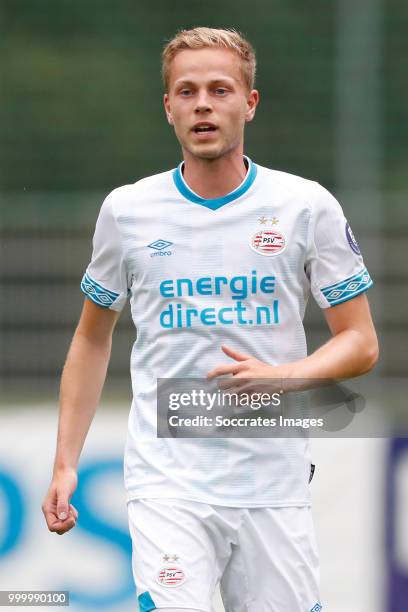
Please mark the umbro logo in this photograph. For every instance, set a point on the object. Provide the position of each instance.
(160, 244)
(159, 247)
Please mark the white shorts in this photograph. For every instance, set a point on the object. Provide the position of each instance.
(264, 559)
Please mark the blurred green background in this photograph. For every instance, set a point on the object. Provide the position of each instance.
(81, 113)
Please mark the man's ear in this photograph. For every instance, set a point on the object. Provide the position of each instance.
(252, 103)
(166, 103)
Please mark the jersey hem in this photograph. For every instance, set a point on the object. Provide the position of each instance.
(211, 502)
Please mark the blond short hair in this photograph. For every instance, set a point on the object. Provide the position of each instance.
(200, 38)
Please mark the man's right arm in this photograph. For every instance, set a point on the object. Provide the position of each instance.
(81, 386)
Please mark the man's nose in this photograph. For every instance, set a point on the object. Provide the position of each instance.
(203, 102)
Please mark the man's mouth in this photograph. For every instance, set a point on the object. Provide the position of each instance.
(203, 128)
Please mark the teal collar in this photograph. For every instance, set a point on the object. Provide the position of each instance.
(214, 203)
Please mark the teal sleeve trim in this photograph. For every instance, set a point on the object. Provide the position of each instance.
(97, 293)
(146, 603)
(348, 288)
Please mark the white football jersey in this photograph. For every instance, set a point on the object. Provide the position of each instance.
(234, 270)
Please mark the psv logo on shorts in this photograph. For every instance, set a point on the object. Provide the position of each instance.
(171, 576)
(268, 242)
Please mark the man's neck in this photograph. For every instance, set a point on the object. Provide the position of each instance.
(214, 178)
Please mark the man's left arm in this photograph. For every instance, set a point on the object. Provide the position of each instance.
(352, 350)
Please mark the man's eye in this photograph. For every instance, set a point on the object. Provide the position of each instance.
(185, 92)
(221, 91)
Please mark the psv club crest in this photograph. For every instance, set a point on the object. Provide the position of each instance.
(268, 241)
(171, 575)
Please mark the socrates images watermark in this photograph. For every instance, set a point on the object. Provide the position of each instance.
(367, 407)
(215, 410)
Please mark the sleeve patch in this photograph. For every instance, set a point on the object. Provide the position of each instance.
(97, 293)
(348, 288)
(352, 240)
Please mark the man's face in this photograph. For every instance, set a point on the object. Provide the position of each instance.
(207, 101)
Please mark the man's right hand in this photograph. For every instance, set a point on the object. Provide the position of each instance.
(60, 515)
(81, 386)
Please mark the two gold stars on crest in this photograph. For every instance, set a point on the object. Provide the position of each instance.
(263, 220)
(170, 557)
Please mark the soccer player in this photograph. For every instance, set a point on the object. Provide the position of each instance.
(218, 257)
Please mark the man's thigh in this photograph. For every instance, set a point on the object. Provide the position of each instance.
(179, 554)
(275, 565)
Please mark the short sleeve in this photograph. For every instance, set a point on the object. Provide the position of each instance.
(334, 265)
(105, 280)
